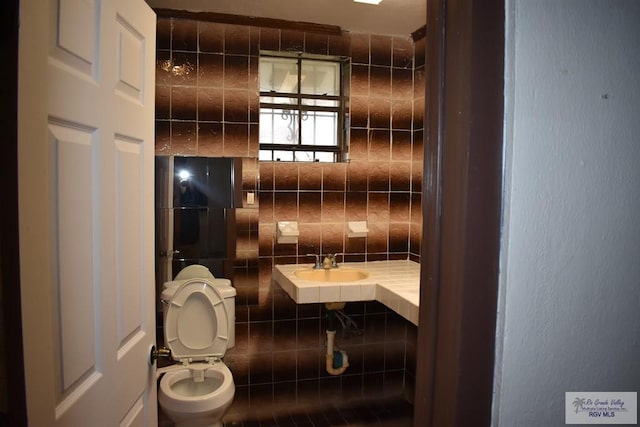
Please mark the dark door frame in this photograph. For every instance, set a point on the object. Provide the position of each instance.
(462, 199)
(462, 205)
(16, 411)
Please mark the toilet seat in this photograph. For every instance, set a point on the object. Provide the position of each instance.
(196, 324)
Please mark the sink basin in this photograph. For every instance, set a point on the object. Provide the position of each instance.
(332, 275)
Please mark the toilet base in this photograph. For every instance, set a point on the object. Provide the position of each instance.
(202, 420)
(193, 422)
(198, 425)
(179, 420)
(190, 424)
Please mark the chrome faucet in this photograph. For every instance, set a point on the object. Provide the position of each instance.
(330, 261)
(318, 264)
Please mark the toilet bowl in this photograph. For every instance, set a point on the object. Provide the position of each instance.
(190, 403)
(199, 326)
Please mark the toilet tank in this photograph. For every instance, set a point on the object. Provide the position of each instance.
(228, 293)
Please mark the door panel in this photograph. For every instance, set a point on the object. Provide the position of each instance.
(74, 315)
(85, 155)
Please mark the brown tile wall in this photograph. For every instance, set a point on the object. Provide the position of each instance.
(207, 105)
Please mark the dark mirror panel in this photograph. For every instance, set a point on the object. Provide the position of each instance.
(203, 233)
(207, 182)
(198, 200)
(198, 182)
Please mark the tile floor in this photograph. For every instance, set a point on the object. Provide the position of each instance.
(389, 413)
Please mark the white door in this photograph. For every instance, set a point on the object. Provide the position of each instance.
(85, 159)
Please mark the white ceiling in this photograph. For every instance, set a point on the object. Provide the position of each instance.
(391, 17)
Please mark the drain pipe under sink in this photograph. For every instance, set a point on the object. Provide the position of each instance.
(337, 360)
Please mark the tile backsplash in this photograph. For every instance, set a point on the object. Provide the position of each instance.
(207, 104)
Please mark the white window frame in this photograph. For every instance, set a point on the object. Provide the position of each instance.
(299, 150)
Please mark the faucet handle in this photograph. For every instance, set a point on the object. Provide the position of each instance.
(318, 264)
(334, 259)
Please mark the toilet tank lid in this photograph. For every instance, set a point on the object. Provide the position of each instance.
(194, 271)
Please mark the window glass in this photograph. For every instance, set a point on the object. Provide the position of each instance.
(318, 128)
(321, 102)
(285, 156)
(278, 75)
(325, 157)
(301, 109)
(278, 126)
(320, 78)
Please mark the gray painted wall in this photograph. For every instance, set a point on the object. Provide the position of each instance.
(569, 317)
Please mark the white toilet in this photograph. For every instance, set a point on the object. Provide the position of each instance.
(199, 327)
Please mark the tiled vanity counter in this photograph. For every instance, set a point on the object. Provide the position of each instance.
(395, 284)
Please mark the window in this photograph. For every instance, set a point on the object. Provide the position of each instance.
(301, 109)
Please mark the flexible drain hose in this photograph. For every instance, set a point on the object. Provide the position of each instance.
(336, 361)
